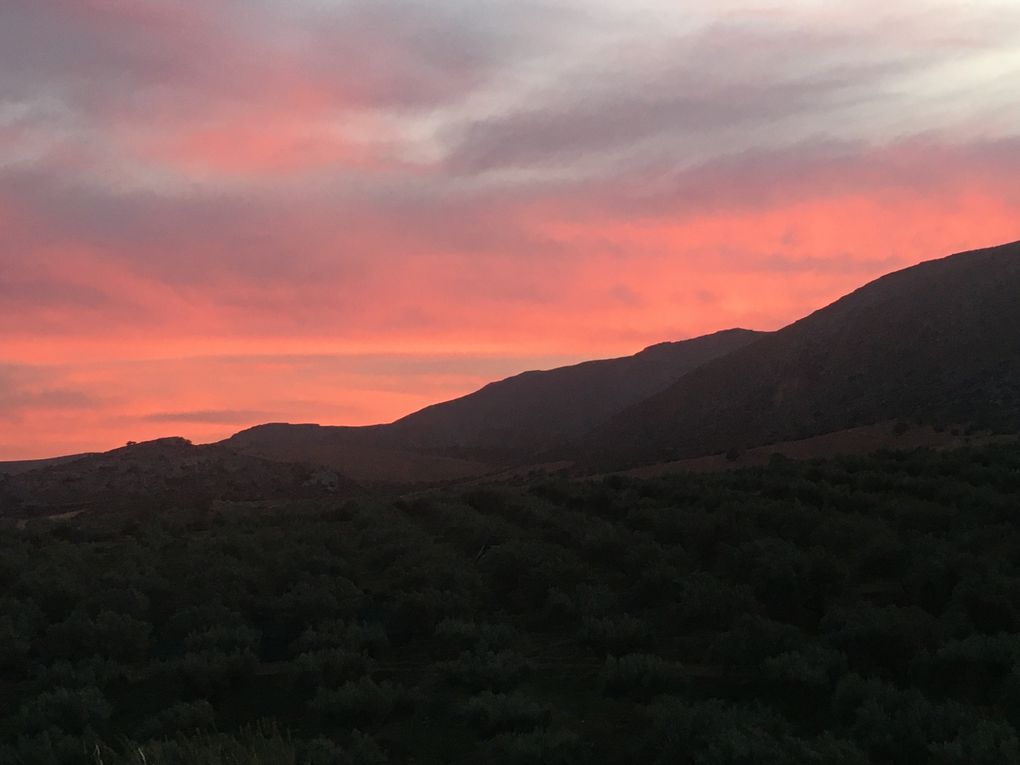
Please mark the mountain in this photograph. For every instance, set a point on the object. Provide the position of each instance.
(15, 467)
(938, 343)
(503, 423)
(535, 410)
(369, 454)
(160, 474)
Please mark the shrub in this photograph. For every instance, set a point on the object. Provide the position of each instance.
(487, 670)
(362, 701)
(116, 636)
(990, 742)
(615, 634)
(331, 667)
(502, 712)
(224, 638)
(641, 674)
(715, 733)
(209, 672)
(94, 670)
(548, 747)
(467, 635)
(368, 637)
(184, 717)
(707, 602)
(811, 667)
(70, 711)
(753, 639)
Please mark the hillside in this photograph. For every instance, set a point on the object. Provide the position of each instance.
(503, 423)
(364, 454)
(158, 474)
(538, 409)
(14, 467)
(938, 343)
(834, 612)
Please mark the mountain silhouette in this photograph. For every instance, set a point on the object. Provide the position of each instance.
(538, 409)
(938, 343)
(168, 472)
(506, 422)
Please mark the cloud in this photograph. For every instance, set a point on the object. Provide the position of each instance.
(91, 403)
(743, 79)
(231, 91)
(501, 261)
(342, 211)
(24, 391)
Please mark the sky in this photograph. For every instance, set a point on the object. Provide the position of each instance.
(220, 213)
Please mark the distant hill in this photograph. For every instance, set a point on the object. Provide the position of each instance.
(158, 474)
(938, 343)
(367, 454)
(505, 422)
(23, 466)
(534, 410)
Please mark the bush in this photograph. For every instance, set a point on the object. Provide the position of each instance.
(487, 670)
(990, 742)
(210, 672)
(468, 635)
(367, 637)
(501, 712)
(752, 640)
(641, 674)
(51, 747)
(115, 636)
(548, 747)
(904, 726)
(615, 634)
(362, 701)
(184, 717)
(883, 638)
(263, 745)
(329, 667)
(224, 638)
(70, 711)
(707, 602)
(813, 667)
(715, 733)
(95, 671)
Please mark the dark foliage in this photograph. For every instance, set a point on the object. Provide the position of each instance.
(853, 610)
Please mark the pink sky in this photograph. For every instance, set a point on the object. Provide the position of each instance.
(219, 214)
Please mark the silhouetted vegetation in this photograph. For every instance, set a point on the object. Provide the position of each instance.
(851, 610)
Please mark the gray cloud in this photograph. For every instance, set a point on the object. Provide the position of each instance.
(690, 98)
(160, 60)
(24, 389)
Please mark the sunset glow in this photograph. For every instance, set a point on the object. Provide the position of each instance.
(218, 214)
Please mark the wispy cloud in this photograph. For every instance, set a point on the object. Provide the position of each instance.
(506, 185)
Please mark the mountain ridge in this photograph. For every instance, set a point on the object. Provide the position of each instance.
(936, 344)
(939, 342)
(503, 423)
(160, 474)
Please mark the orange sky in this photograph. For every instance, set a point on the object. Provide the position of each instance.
(215, 215)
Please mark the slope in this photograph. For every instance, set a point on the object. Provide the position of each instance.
(938, 343)
(160, 474)
(534, 410)
(500, 424)
(14, 467)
